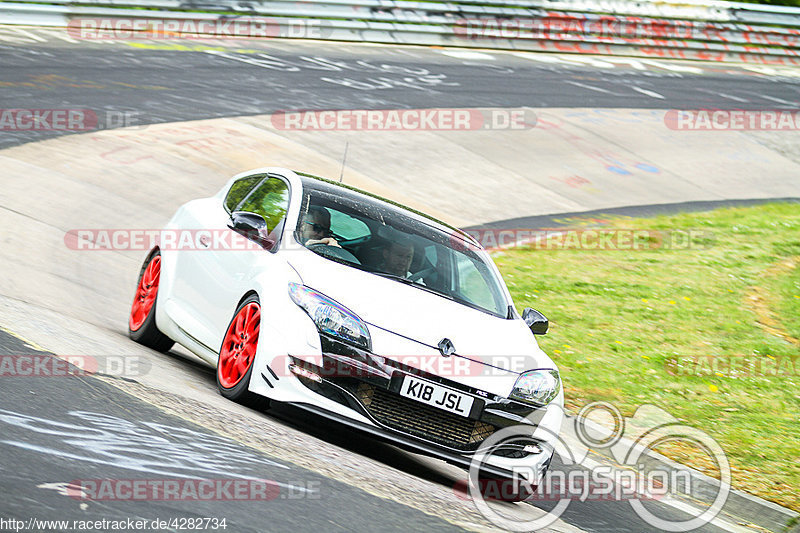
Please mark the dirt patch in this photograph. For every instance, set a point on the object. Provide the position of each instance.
(758, 299)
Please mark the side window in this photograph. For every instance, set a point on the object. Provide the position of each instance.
(270, 200)
(239, 191)
(472, 285)
(431, 255)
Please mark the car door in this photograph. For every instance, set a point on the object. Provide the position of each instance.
(221, 272)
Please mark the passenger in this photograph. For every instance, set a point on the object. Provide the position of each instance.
(316, 227)
(397, 258)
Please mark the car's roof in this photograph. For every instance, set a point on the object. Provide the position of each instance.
(342, 189)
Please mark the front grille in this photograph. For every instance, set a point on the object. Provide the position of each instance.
(423, 421)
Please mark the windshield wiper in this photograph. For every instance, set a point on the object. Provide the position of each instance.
(407, 281)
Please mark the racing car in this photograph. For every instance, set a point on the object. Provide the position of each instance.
(303, 290)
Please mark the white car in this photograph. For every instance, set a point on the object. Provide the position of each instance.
(357, 309)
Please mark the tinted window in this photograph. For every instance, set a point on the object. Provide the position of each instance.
(270, 199)
(239, 191)
(385, 240)
(474, 282)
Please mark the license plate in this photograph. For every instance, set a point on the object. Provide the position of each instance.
(436, 395)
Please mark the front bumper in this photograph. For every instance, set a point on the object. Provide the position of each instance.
(369, 384)
(487, 469)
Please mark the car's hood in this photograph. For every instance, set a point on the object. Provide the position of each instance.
(424, 317)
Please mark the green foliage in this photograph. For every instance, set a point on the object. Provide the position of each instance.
(619, 319)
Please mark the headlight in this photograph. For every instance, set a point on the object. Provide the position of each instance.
(331, 317)
(538, 387)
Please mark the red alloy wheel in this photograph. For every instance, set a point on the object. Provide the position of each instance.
(145, 294)
(239, 347)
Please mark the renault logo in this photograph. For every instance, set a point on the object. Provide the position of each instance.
(446, 347)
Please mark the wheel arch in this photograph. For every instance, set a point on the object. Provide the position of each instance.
(248, 294)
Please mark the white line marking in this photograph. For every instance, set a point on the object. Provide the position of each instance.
(541, 58)
(49, 451)
(591, 87)
(775, 99)
(666, 65)
(588, 61)
(567, 61)
(769, 71)
(668, 500)
(635, 63)
(716, 521)
(58, 34)
(13, 38)
(734, 98)
(724, 95)
(30, 35)
(467, 55)
(648, 92)
(29, 344)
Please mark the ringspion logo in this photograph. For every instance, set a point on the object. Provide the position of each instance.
(629, 474)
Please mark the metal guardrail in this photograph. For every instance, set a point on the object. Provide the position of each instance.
(686, 29)
(710, 10)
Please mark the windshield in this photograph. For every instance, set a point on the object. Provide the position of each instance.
(382, 239)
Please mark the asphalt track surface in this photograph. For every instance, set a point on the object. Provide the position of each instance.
(154, 82)
(162, 81)
(71, 430)
(77, 430)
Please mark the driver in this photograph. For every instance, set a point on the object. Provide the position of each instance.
(316, 227)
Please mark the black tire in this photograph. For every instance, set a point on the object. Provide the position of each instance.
(148, 333)
(238, 392)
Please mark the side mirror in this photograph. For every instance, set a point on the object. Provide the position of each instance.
(252, 226)
(536, 321)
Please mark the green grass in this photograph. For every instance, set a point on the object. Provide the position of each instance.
(787, 289)
(617, 317)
